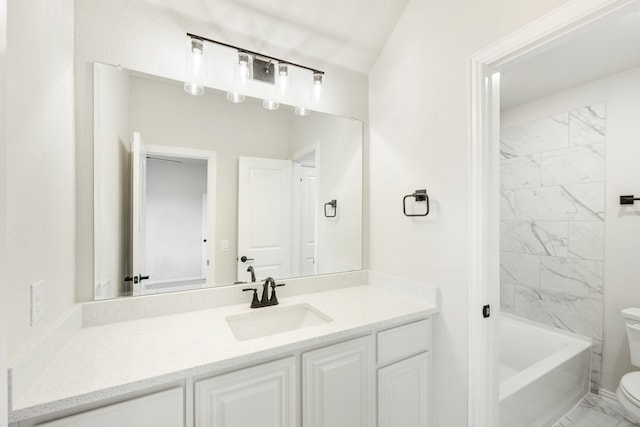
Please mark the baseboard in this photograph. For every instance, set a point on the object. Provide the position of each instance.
(606, 394)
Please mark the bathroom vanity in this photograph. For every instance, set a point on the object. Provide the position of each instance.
(345, 356)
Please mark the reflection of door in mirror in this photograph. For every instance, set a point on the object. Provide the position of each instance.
(173, 218)
(264, 217)
(305, 193)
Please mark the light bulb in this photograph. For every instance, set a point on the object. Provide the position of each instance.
(269, 104)
(235, 97)
(193, 89)
(301, 111)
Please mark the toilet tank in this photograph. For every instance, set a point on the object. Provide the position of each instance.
(632, 325)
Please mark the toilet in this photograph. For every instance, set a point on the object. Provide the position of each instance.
(628, 392)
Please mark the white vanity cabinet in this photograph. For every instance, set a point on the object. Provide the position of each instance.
(163, 409)
(338, 385)
(379, 379)
(403, 375)
(263, 395)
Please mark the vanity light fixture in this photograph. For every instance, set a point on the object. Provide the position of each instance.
(257, 66)
(271, 105)
(301, 111)
(235, 97)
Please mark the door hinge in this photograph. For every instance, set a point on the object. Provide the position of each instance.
(486, 311)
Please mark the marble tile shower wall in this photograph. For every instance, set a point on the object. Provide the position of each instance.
(552, 223)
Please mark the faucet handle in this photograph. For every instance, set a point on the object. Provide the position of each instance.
(274, 299)
(254, 302)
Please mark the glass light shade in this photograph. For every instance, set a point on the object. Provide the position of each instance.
(235, 97)
(318, 86)
(197, 46)
(244, 66)
(193, 89)
(283, 70)
(195, 67)
(301, 111)
(269, 104)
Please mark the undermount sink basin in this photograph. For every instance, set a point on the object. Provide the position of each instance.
(274, 320)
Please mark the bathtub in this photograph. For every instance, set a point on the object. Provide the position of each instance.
(544, 372)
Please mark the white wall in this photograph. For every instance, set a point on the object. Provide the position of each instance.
(621, 92)
(40, 162)
(165, 115)
(112, 161)
(144, 37)
(419, 103)
(3, 230)
(173, 196)
(339, 172)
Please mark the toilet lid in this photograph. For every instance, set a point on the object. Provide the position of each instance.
(630, 384)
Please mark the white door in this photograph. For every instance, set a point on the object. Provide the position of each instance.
(308, 202)
(338, 384)
(138, 174)
(264, 395)
(264, 217)
(403, 393)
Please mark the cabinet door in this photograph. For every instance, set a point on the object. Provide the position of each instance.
(164, 409)
(338, 385)
(403, 393)
(263, 395)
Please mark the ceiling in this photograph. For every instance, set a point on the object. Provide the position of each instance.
(345, 33)
(608, 48)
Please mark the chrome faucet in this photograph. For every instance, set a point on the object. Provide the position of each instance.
(265, 301)
(253, 273)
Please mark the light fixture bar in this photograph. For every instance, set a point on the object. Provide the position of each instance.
(262, 55)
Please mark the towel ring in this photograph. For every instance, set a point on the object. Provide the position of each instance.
(332, 204)
(419, 196)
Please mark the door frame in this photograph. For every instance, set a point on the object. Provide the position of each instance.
(484, 286)
(212, 168)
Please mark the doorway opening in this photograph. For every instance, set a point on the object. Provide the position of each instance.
(536, 238)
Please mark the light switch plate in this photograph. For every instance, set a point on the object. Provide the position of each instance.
(37, 302)
(224, 245)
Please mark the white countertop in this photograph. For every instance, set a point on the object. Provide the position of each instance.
(104, 361)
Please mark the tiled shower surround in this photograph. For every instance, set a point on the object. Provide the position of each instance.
(552, 223)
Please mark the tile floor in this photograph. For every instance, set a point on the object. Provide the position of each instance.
(595, 411)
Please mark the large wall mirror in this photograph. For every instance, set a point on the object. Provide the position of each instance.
(197, 191)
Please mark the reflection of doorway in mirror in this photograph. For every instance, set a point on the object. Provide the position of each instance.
(305, 190)
(174, 219)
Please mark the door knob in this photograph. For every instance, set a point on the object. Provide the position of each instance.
(245, 259)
